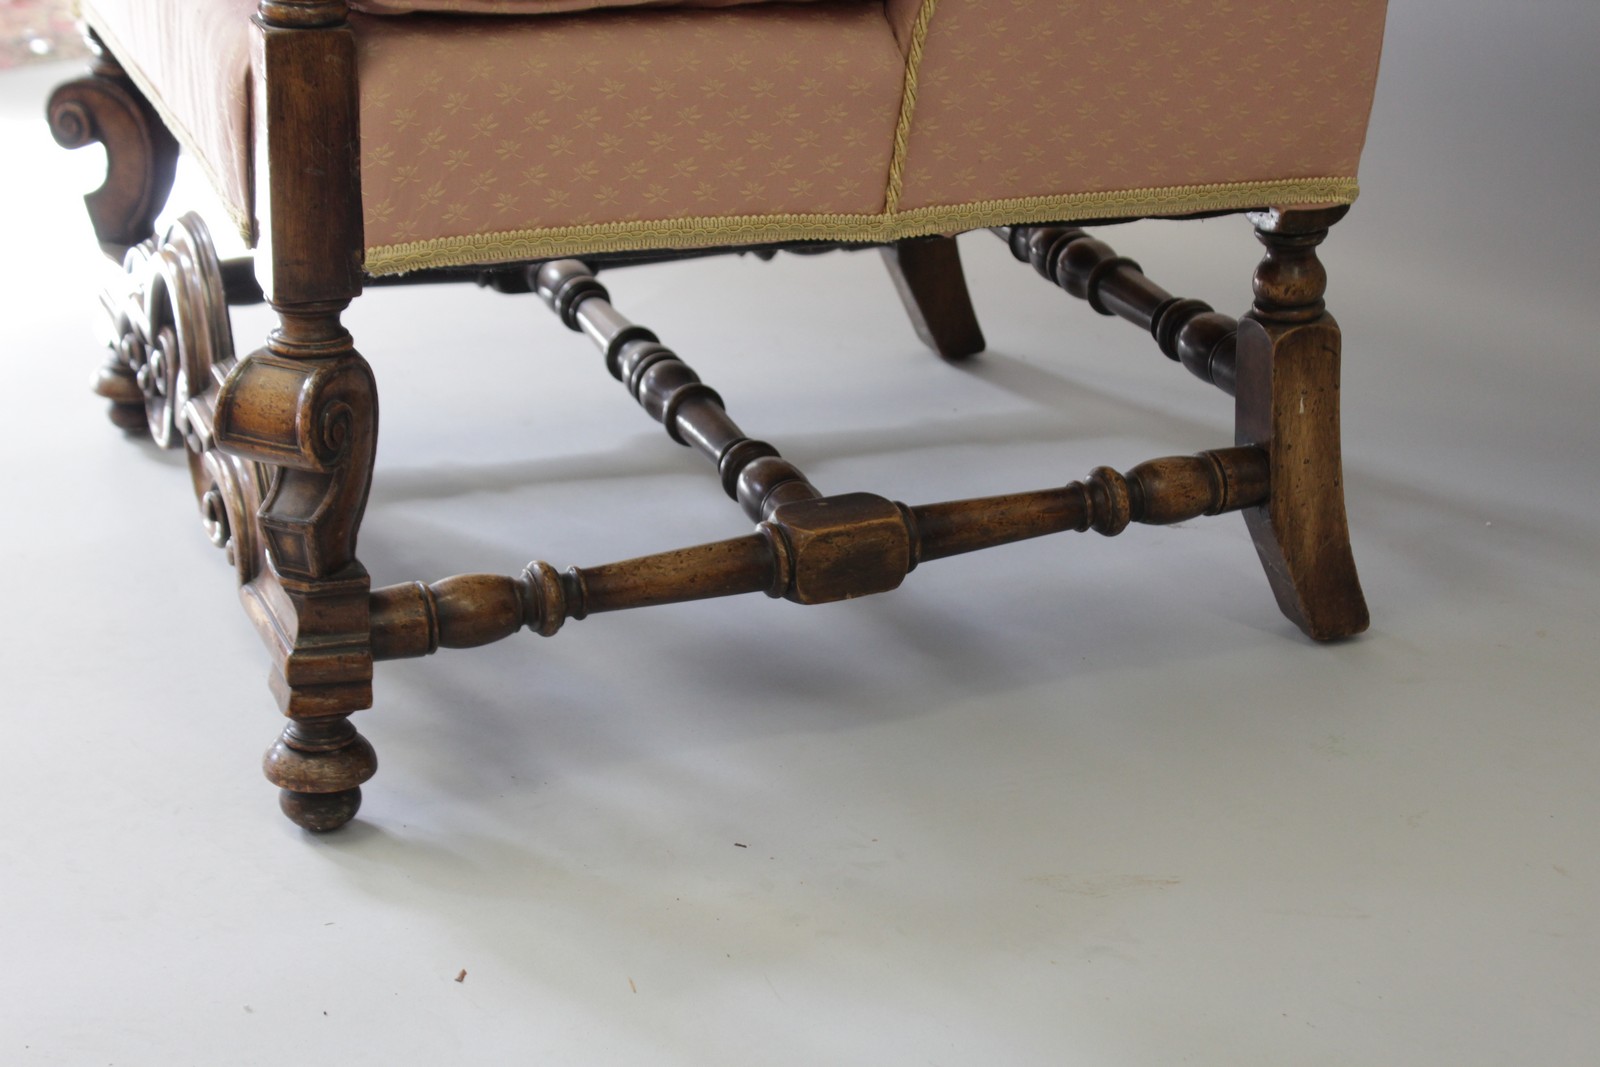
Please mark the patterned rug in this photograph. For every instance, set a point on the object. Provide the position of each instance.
(35, 30)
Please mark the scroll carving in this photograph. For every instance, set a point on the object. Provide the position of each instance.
(229, 489)
(169, 324)
(315, 420)
(141, 156)
(171, 346)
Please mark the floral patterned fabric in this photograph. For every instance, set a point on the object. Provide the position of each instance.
(1022, 98)
(617, 117)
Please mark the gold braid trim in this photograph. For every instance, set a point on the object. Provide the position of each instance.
(712, 232)
(908, 106)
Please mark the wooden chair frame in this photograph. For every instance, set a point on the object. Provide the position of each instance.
(281, 441)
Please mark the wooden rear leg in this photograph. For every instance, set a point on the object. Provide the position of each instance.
(1288, 403)
(927, 273)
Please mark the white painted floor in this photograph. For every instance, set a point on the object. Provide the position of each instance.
(1073, 802)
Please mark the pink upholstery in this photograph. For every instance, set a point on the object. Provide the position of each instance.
(495, 139)
(624, 116)
(1021, 98)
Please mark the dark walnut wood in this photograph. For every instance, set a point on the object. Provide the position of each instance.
(170, 338)
(311, 422)
(1288, 404)
(303, 409)
(314, 763)
(169, 315)
(141, 161)
(1282, 362)
(168, 325)
(752, 472)
(302, 14)
(141, 155)
(308, 185)
(928, 276)
(813, 551)
(1188, 331)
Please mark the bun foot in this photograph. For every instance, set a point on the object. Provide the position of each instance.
(320, 812)
(129, 418)
(126, 409)
(318, 766)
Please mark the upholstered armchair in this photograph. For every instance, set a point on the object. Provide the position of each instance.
(530, 144)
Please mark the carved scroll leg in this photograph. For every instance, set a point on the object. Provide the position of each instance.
(141, 160)
(141, 155)
(1288, 403)
(927, 273)
(314, 419)
(306, 409)
(310, 600)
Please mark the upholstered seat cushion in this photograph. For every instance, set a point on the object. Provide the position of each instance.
(622, 122)
(494, 139)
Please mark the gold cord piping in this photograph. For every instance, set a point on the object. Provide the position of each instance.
(908, 107)
(710, 232)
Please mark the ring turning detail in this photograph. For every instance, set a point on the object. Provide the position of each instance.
(807, 547)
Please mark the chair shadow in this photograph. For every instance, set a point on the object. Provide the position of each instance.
(1065, 409)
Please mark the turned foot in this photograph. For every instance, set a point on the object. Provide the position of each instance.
(126, 410)
(320, 812)
(319, 764)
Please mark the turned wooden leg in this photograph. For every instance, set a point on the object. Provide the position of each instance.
(304, 410)
(1288, 403)
(927, 274)
(319, 765)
